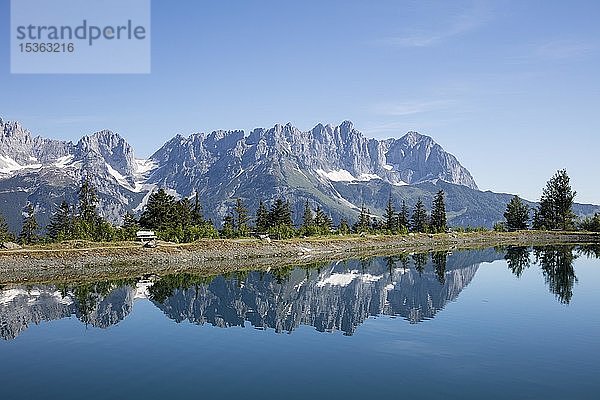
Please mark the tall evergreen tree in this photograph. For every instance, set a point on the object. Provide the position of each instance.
(28, 233)
(390, 219)
(241, 218)
(438, 213)
(197, 215)
(88, 202)
(307, 218)
(159, 212)
(322, 221)
(364, 220)
(130, 226)
(61, 223)
(556, 204)
(516, 214)
(344, 227)
(5, 234)
(184, 213)
(262, 218)
(419, 217)
(403, 216)
(228, 226)
(280, 214)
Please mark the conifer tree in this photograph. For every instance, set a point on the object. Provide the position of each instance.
(280, 214)
(556, 204)
(130, 226)
(241, 218)
(364, 220)
(28, 233)
(61, 223)
(403, 216)
(159, 211)
(344, 228)
(197, 215)
(322, 221)
(88, 201)
(307, 219)
(516, 214)
(438, 213)
(390, 220)
(262, 218)
(419, 217)
(5, 233)
(228, 226)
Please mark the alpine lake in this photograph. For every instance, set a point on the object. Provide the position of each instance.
(496, 323)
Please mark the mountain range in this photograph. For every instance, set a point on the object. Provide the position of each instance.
(336, 167)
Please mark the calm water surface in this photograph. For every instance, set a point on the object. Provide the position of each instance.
(495, 323)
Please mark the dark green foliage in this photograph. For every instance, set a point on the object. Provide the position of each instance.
(228, 229)
(403, 217)
(556, 204)
(262, 218)
(390, 220)
(241, 218)
(5, 234)
(517, 259)
(419, 220)
(130, 226)
(197, 216)
(61, 223)
(307, 219)
(280, 214)
(322, 222)
(363, 224)
(88, 202)
(30, 228)
(344, 228)
(516, 215)
(159, 212)
(438, 213)
(591, 224)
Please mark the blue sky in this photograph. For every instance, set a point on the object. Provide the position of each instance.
(510, 87)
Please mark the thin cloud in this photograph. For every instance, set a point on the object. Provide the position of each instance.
(468, 21)
(410, 108)
(564, 49)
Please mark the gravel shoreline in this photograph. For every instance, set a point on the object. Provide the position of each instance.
(97, 261)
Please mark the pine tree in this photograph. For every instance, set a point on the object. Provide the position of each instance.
(5, 233)
(262, 218)
(516, 214)
(364, 221)
(159, 212)
(61, 223)
(280, 214)
(28, 233)
(322, 221)
(130, 226)
(228, 230)
(403, 216)
(88, 201)
(344, 228)
(241, 218)
(438, 213)
(307, 219)
(390, 220)
(556, 204)
(197, 216)
(419, 217)
(184, 213)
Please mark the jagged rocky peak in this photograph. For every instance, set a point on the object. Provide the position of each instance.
(111, 147)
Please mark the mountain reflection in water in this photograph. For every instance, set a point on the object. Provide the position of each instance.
(329, 297)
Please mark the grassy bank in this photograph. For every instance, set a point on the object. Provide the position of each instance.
(77, 260)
